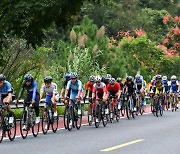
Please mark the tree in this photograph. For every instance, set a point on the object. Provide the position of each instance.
(29, 19)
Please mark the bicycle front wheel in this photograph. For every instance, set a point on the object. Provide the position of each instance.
(55, 124)
(35, 126)
(45, 122)
(12, 128)
(65, 116)
(1, 127)
(23, 125)
(78, 120)
(70, 118)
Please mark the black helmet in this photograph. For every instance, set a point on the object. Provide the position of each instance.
(2, 77)
(28, 77)
(48, 79)
(158, 77)
(118, 79)
(129, 78)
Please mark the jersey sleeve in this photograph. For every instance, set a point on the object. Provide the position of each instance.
(68, 85)
(9, 88)
(87, 86)
(34, 91)
(79, 85)
(42, 88)
(55, 88)
(118, 87)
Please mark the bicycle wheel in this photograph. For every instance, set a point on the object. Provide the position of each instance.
(104, 116)
(78, 120)
(55, 123)
(97, 117)
(141, 109)
(23, 122)
(65, 116)
(12, 128)
(161, 111)
(123, 110)
(117, 113)
(45, 121)
(128, 113)
(70, 118)
(35, 127)
(90, 115)
(111, 116)
(1, 127)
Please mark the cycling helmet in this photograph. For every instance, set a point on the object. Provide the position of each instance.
(118, 79)
(2, 77)
(154, 78)
(129, 78)
(112, 81)
(68, 76)
(158, 77)
(74, 75)
(92, 78)
(98, 79)
(28, 77)
(173, 77)
(108, 76)
(164, 78)
(138, 77)
(48, 79)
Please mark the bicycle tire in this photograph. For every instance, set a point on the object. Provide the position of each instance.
(45, 120)
(54, 124)
(104, 116)
(78, 121)
(21, 124)
(70, 118)
(117, 113)
(12, 134)
(35, 127)
(65, 116)
(90, 114)
(1, 127)
(97, 116)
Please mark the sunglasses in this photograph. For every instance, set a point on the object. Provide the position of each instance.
(73, 78)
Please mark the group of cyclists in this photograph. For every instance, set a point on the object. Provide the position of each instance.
(97, 88)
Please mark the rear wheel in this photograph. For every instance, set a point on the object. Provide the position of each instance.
(55, 123)
(23, 122)
(78, 121)
(35, 126)
(45, 122)
(12, 128)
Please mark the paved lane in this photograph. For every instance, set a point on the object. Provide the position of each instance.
(157, 135)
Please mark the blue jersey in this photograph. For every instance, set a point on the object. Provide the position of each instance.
(7, 88)
(174, 86)
(74, 87)
(32, 89)
(166, 85)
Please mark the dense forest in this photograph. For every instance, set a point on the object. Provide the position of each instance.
(119, 37)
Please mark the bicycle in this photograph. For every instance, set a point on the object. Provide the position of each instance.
(157, 106)
(114, 112)
(99, 113)
(48, 119)
(28, 118)
(5, 126)
(130, 107)
(72, 116)
(141, 106)
(173, 102)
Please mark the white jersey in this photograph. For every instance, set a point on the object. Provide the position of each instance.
(50, 90)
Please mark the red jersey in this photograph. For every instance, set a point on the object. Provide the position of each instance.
(114, 88)
(89, 86)
(100, 89)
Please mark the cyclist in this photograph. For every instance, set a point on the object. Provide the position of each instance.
(89, 86)
(75, 88)
(100, 91)
(51, 92)
(32, 95)
(174, 88)
(67, 78)
(6, 94)
(89, 89)
(140, 89)
(129, 89)
(119, 80)
(113, 89)
(166, 86)
(106, 78)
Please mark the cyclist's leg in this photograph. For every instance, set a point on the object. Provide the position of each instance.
(36, 105)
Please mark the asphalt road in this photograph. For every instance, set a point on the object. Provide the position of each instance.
(143, 135)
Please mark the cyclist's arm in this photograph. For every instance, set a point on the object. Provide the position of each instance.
(20, 92)
(42, 91)
(63, 89)
(79, 88)
(34, 91)
(67, 88)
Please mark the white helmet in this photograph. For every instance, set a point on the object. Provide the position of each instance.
(173, 77)
(164, 78)
(112, 81)
(98, 79)
(92, 78)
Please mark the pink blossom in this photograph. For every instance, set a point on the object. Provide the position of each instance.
(140, 32)
(166, 41)
(176, 19)
(166, 18)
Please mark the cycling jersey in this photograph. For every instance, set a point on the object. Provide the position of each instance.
(74, 88)
(166, 85)
(89, 86)
(99, 88)
(130, 87)
(139, 84)
(7, 88)
(49, 90)
(114, 88)
(174, 86)
(158, 87)
(32, 90)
